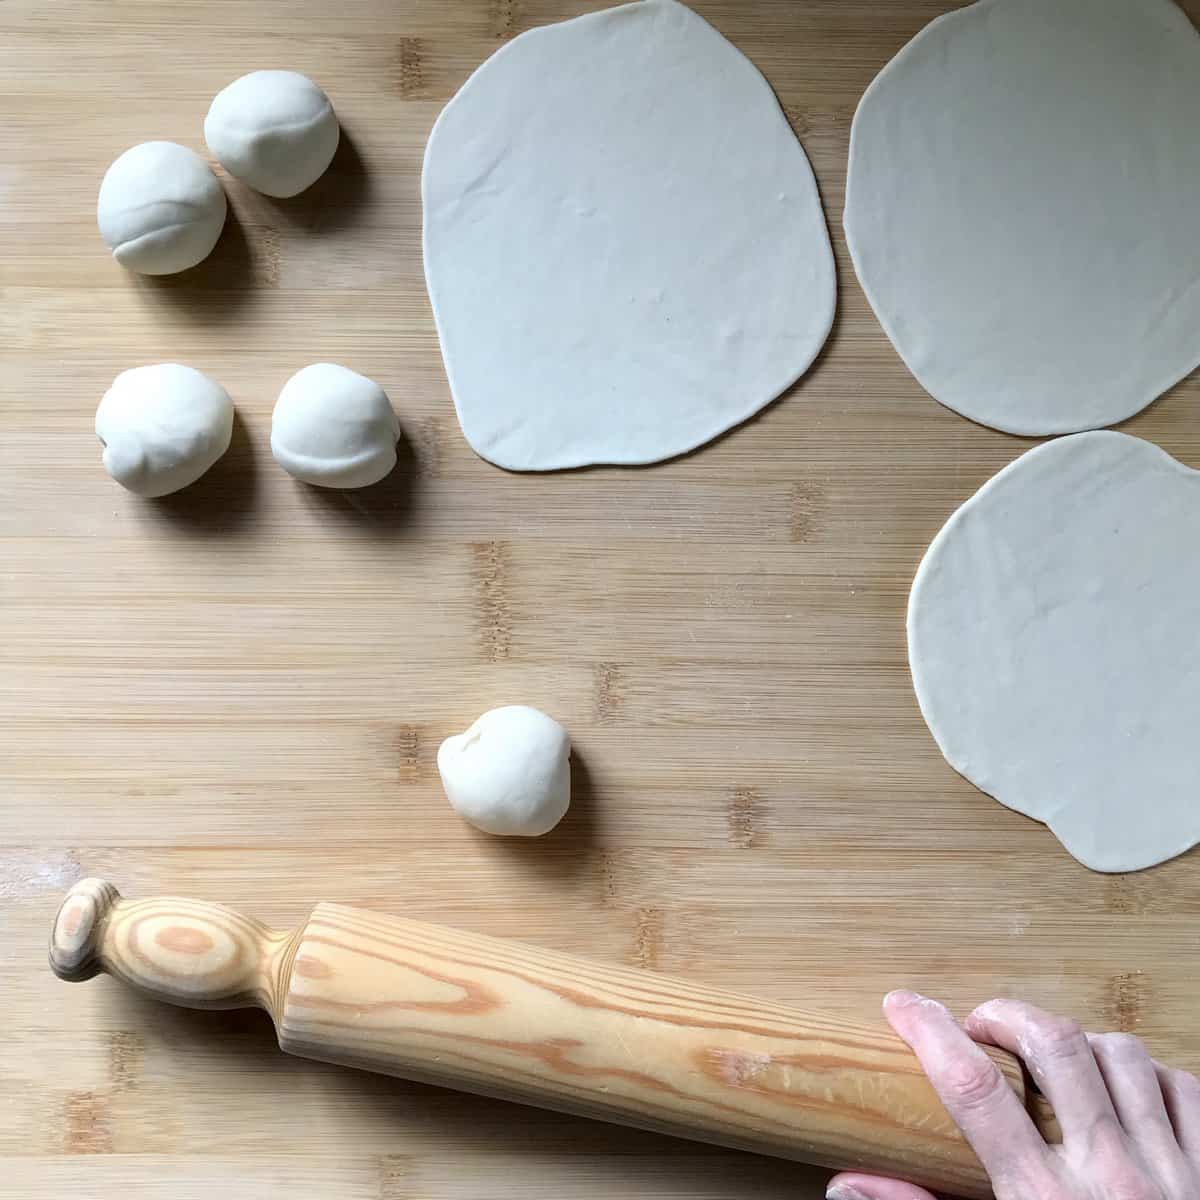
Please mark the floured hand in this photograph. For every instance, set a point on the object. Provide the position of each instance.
(1131, 1126)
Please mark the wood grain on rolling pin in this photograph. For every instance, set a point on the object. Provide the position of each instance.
(600, 1041)
(505, 1019)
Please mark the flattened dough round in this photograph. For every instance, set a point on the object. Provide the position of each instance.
(1023, 208)
(1053, 638)
(624, 244)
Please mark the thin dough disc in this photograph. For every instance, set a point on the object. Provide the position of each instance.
(624, 244)
(1052, 633)
(1023, 208)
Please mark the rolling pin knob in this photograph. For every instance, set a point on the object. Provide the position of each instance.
(185, 952)
(79, 929)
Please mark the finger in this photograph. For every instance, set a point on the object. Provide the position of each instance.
(1128, 1072)
(1181, 1093)
(851, 1186)
(970, 1085)
(1058, 1056)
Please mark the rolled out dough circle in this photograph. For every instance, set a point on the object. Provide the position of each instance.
(1023, 208)
(624, 244)
(1052, 634)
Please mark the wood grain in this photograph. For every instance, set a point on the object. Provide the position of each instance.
(514, 1022)
(242, 689)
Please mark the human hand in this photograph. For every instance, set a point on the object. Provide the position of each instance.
(1131, 1126)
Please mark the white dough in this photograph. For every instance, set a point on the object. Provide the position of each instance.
(1052, 634)
(509, 774)
(160, 208)
(162, 427)
(334, 428)
(624, 244)
(1023, 208)
(274, 130)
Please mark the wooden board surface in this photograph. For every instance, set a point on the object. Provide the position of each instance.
(238, 693)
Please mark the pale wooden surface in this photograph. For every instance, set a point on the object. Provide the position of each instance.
(238, 693)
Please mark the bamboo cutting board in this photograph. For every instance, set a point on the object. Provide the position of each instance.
(240, 690)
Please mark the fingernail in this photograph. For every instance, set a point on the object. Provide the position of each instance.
(844, 1191)
(903, 998)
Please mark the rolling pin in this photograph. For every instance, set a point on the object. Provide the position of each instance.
(506, 1020)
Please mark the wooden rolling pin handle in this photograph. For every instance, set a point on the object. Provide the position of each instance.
(184, 952)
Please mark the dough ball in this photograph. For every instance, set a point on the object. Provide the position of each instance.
(334, 428)
(160, 209)
(509, 773)
(273, 130)
(162, 427)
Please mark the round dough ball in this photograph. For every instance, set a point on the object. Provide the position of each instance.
(162, 427)
(334, 428)
(160, 208)
(273, 130)
(509, 773)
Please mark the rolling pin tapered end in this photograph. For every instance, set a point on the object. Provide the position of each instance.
(78, 931)
(187, 952)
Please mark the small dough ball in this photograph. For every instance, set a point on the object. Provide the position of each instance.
(334, 428)
(273, 130)
(160, 209)
(162, 427)
(509, 773)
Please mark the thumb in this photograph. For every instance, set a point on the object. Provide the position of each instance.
(850, 1186)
